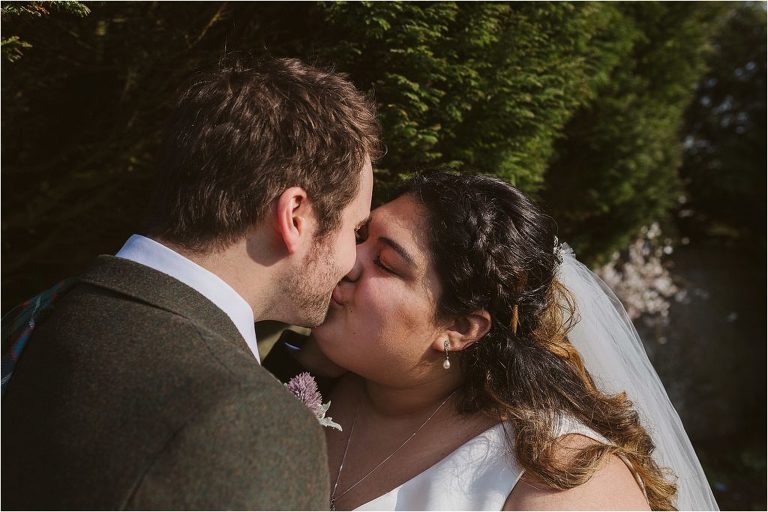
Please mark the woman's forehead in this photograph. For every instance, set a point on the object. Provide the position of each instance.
(404, 221)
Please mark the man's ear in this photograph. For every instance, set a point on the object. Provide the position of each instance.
(293, 218)
(464, 330)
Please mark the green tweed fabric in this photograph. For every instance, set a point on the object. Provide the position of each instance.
(137, 392)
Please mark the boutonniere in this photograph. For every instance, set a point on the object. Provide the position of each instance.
(305, 388)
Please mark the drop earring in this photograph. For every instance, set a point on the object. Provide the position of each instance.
(447, 362)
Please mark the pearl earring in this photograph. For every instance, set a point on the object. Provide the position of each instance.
(447, 362)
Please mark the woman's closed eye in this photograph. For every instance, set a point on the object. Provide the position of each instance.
(378, 263)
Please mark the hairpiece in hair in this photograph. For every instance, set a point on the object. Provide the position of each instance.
(514, 319)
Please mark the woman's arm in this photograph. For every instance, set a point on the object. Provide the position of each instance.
(612, 487)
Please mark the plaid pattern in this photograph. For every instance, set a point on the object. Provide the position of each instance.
(18, 324)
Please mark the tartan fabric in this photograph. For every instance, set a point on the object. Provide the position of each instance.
(18, 324)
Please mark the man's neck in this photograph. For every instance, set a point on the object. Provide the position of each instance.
(236, 267)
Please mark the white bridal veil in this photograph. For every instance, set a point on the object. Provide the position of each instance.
(615, 358)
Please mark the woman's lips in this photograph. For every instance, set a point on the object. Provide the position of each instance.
(336, 297)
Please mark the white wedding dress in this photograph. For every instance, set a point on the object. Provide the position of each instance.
(478, 475)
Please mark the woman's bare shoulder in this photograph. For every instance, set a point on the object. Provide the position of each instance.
(612, 487)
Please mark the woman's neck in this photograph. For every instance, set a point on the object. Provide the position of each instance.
(390, 401)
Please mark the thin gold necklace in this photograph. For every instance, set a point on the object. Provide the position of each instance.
(346, 448)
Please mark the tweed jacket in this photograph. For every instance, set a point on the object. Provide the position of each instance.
(137, 392)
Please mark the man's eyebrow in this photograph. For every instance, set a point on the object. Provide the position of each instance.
(398, 249)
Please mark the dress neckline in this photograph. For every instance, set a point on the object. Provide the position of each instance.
(444, 460)
(478, 475)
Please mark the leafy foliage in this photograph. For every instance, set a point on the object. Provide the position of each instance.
(13, 46)
(616, 164)
(577, 102)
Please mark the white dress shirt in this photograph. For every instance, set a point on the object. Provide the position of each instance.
(159, 257)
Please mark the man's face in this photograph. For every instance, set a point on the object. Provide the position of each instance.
(331, 258)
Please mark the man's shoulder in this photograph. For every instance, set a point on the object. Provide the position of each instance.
(171, 399)
(99, 336)
(110, 344)
(138, 361)
(125, 299)
(123, 279)
(95, 312)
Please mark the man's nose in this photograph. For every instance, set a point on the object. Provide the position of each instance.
(354, 274)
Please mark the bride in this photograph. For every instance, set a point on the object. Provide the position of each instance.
(489, 370)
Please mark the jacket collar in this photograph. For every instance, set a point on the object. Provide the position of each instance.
(160, 290)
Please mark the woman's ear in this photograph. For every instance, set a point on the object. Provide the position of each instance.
(464, 330)
(291, 215)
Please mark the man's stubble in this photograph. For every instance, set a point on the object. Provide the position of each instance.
(310, 291)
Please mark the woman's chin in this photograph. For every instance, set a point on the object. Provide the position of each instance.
(324, 336)
(322, 331)
(331, 340)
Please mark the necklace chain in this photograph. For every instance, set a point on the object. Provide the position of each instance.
(346, 449)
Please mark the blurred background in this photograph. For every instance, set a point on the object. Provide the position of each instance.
(641, 126)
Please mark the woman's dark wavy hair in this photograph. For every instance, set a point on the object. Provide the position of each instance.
(493, 249)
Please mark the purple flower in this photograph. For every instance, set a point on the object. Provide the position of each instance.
(305, 388)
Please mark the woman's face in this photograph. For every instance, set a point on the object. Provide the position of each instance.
(381, 322)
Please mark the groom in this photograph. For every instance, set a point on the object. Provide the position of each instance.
(142, 388)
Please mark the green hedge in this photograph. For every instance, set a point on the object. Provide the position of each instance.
(579, 104)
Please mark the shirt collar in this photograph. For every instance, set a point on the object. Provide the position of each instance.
(155, 255)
